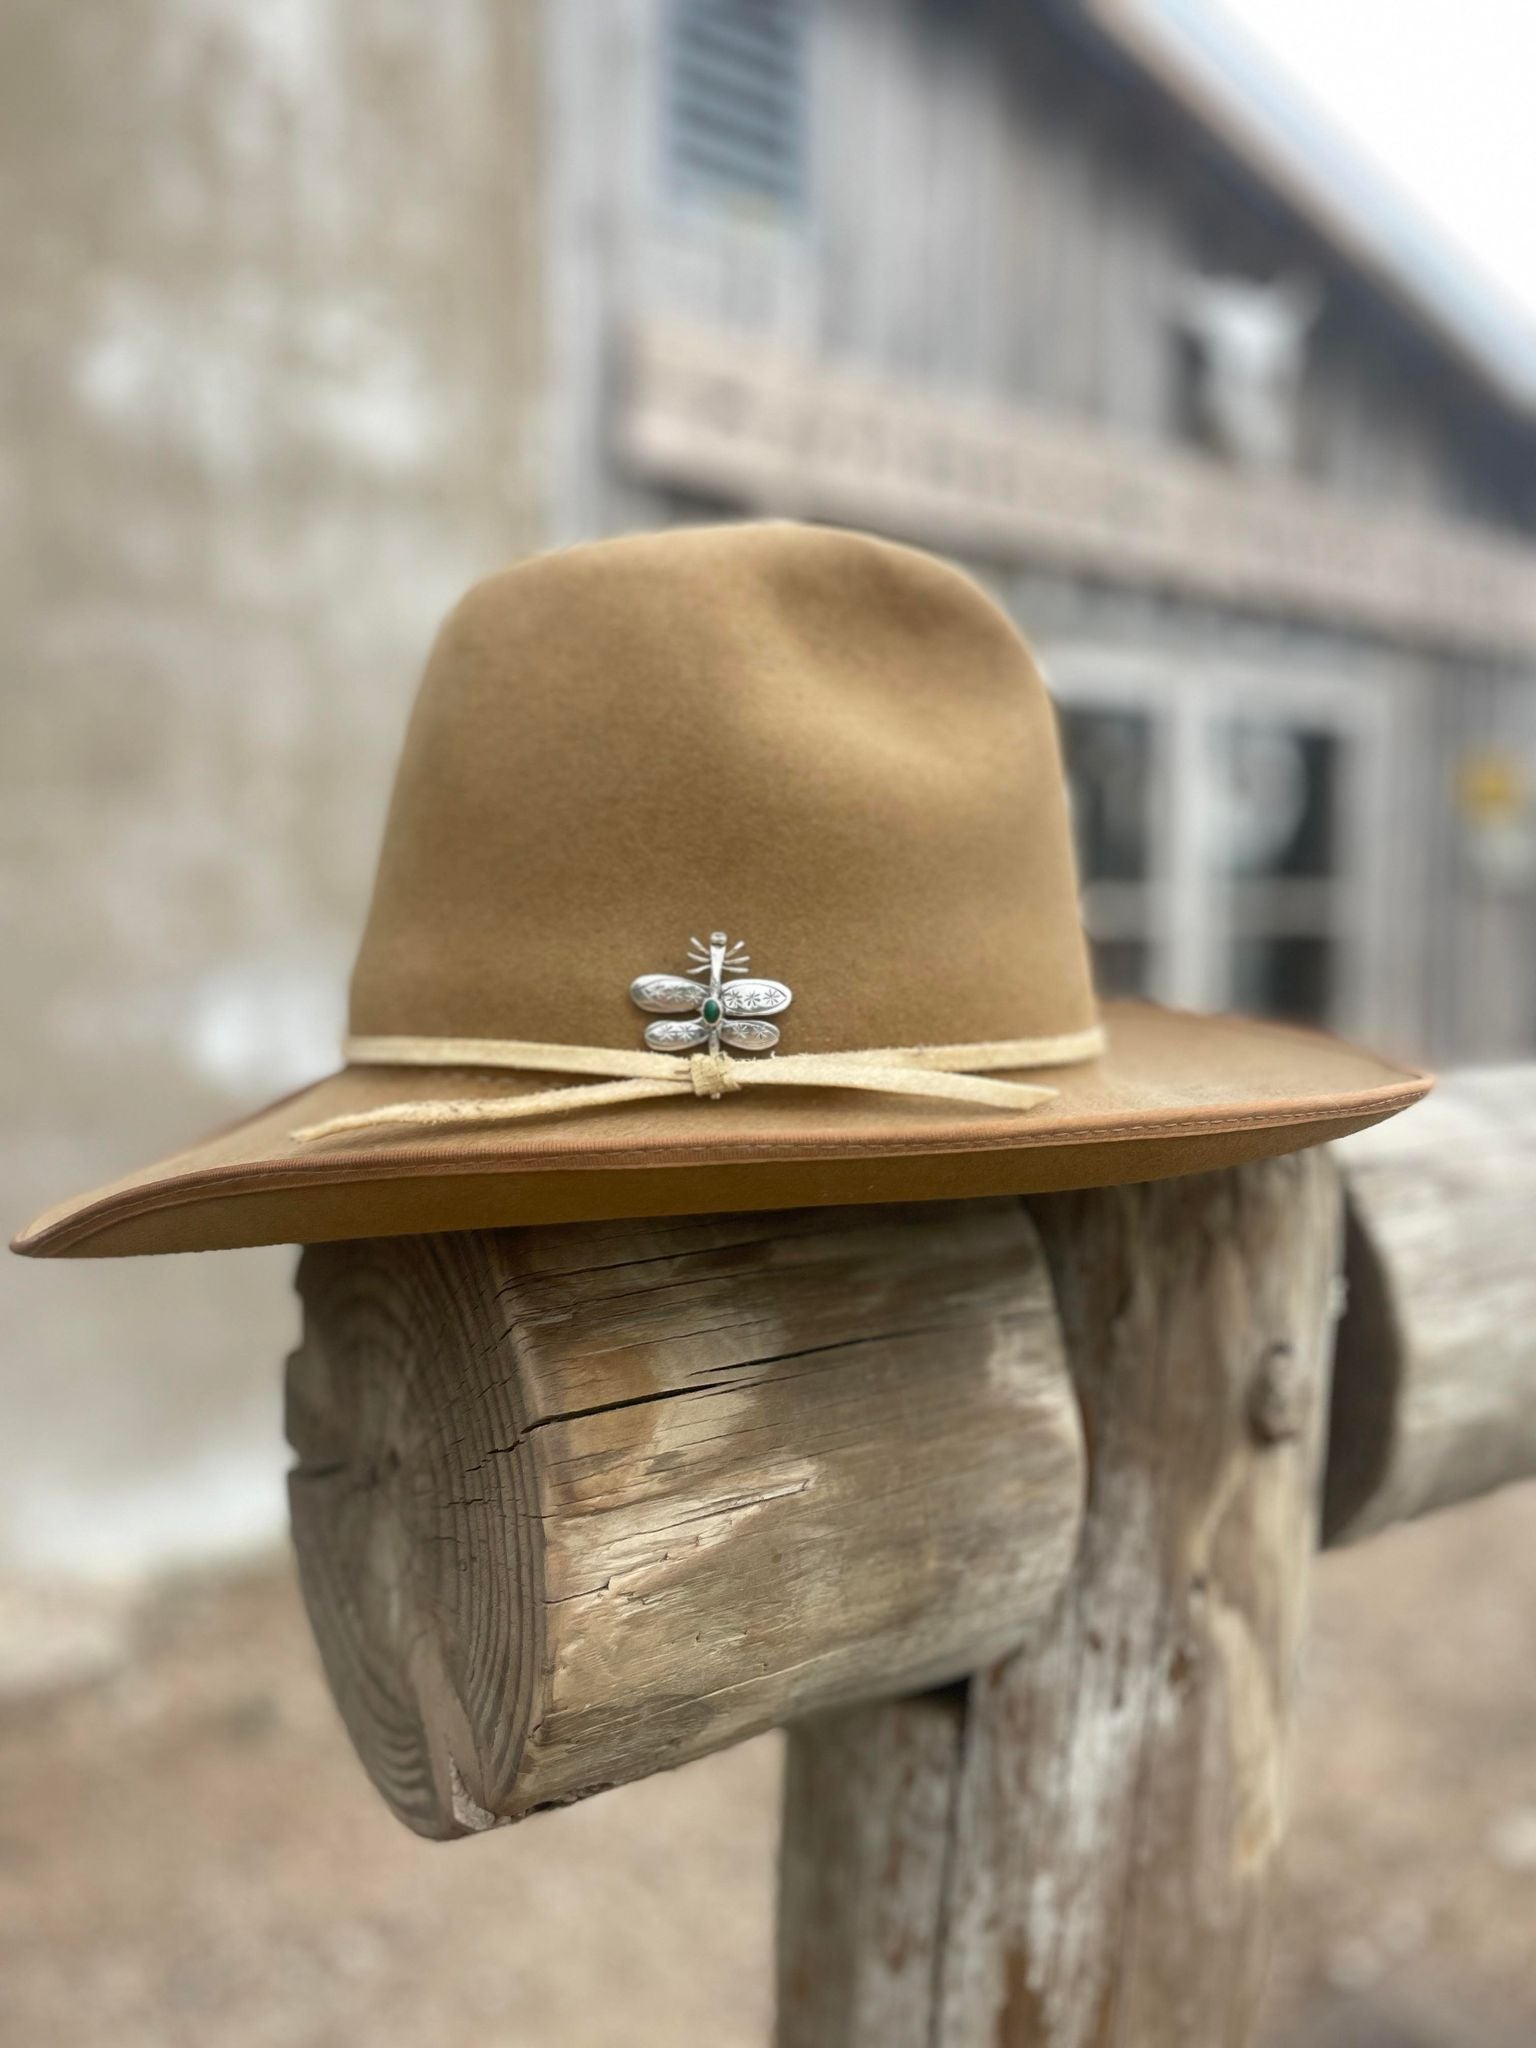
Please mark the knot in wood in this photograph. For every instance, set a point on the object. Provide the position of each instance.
(1279, 1396)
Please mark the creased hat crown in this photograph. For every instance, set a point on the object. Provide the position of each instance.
(835, 749)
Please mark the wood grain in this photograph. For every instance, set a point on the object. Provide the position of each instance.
(869, 1803)
(1116, 1791)
(1435, 1380)
(575, 1505)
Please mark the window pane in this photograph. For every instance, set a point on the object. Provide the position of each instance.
(1121, 967)
(1272, 799)
(1284, 977)
(1274, 839)
(1109, 776)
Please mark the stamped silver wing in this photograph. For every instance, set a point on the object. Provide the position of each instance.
(677, 1035)
(753, 998)
(750, 1034)
(671, 994)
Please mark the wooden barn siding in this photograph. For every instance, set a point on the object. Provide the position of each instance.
(994, 211)
(993, 214)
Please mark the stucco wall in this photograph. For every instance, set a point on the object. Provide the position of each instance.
(271, 359)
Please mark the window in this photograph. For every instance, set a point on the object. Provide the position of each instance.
(1111, 777)
(1274, 850)
(733, 119)
(1221, 819)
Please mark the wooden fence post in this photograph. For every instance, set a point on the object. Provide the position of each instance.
(1077, 1848)
(576, 1504)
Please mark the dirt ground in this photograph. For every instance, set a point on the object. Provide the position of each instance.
(189, 1854)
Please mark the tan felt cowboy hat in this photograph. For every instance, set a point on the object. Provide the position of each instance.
(630, 763)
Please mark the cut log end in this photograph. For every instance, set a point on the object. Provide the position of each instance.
(409, 1497)
(1432, 1401)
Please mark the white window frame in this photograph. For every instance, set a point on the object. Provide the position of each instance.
(1188, 926)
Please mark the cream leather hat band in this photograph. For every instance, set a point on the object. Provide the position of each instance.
(953, 1073)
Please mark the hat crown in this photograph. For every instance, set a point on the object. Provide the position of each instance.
(836, 750)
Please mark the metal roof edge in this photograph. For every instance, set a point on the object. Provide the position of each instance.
(1222, 78)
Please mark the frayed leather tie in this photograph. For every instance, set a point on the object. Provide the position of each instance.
(949, 1073)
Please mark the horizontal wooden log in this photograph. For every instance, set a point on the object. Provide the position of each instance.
(573, 1505)
(1434, 1395)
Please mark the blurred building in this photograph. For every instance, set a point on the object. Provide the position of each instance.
(319, 309)
(1071, 292)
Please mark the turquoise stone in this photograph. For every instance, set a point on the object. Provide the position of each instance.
(711, 1010)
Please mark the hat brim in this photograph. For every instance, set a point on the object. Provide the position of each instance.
(1174, 1093)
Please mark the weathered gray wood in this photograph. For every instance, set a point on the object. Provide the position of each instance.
(1116, 1791)
(574, 1505)
(1435, 1379)
(990, 215)
(869, 1799)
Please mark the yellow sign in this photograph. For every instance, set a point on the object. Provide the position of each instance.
(1492, 786)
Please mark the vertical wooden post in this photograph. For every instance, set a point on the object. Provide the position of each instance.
(870, 1805)
(1078, 1851)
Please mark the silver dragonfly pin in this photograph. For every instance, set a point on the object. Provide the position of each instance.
(727, 1008)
